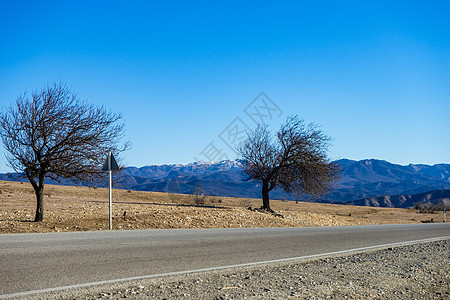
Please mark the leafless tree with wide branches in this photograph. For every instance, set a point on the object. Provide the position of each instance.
(295, 161)
(53, 134)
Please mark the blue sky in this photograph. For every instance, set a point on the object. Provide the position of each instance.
(374, 74)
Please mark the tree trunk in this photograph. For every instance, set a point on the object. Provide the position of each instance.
(265, 195)
(39, 204)
(39, 191)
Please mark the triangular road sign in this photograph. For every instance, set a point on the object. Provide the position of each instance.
(110, 163)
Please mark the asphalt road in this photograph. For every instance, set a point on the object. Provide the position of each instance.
(30, 262)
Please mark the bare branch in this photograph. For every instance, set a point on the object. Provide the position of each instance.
(52, 133)
(296, 161)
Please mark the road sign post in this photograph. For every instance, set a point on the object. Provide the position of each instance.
(445, 211)
(109, 166)
(110, 200)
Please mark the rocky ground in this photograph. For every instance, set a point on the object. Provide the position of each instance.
(417, 271)
(80, 209)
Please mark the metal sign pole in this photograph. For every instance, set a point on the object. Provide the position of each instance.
(110, 165)
(110, 201)
(110, 190)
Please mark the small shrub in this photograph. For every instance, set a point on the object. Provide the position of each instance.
(431, 208)
(198, 197)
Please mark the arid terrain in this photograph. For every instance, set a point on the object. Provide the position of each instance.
(82, 208)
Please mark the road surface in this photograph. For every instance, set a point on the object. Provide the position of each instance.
(36, 262)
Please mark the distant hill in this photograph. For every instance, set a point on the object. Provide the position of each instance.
(434, 197)
(362, 182)
(373, 178)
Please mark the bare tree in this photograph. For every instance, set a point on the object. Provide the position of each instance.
(55, 135)
(198, 196)
(296, 161)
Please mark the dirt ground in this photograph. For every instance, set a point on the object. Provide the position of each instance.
(82, 208)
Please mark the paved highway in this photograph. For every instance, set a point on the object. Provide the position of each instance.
(30, 262)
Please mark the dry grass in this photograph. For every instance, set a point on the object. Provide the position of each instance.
(80, 208)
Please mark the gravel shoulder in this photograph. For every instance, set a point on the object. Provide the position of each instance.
(416, 271)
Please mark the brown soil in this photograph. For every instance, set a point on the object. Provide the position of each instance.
(81, 208)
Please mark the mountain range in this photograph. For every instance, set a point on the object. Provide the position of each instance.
(435, 197)
(366, 182)
(359, 181)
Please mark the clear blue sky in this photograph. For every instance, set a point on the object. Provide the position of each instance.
(374, 74)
